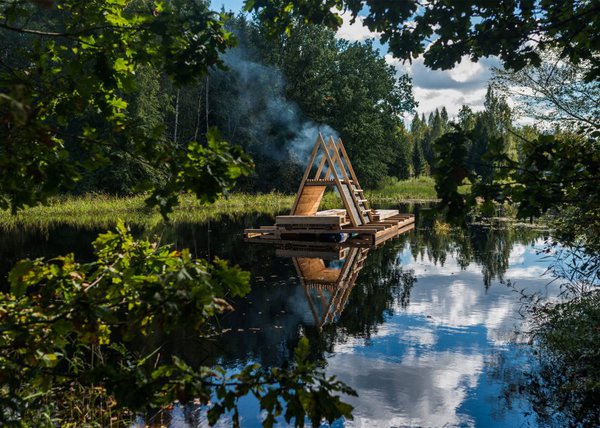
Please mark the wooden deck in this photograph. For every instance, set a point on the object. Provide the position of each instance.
(301, 228)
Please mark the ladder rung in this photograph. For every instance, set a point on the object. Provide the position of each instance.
(361, 200)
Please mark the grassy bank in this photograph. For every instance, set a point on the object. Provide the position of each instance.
(97, 210)
(414, 189)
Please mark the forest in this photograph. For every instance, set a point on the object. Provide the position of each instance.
(155, 119)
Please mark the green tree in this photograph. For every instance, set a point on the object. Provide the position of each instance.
(68, 86)
(122, 171)
(444, 119)
(491, 134)
(466, 118)
(350, 87)
(418, 129)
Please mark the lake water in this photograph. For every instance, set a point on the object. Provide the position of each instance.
(423, 328)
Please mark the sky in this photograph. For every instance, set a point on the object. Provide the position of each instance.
(466, 83)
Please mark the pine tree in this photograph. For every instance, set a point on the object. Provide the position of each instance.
(417, 131)
(444, 117)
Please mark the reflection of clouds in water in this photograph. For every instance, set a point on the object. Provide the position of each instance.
(517, 254)
(426, 365)
(530, 272)
(439, 344)
(450, 268)
(461, 303)
(419, 336)
(423, 390)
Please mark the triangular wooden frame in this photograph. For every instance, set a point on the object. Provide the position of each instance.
(333, 170)
(315, 276)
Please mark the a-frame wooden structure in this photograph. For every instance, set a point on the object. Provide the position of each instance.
(329, 166)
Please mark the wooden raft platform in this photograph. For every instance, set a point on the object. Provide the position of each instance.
(330, 167)
(303, 227)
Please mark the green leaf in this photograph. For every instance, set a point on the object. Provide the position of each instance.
(20, 277)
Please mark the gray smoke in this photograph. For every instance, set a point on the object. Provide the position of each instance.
(277, 127)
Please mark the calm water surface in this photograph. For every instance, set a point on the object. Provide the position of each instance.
(423, 330)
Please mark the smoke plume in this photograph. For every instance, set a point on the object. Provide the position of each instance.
(277, 126)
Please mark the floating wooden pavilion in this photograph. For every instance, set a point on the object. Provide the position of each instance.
(330, 167)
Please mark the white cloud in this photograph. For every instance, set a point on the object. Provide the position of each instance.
(467, 70)
(419, 336)
(354, 32)
(465, 84)
(530, 272)
(452, 99)
(517, 255)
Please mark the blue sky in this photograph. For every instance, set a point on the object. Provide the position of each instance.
(466, 83)
(234, 5)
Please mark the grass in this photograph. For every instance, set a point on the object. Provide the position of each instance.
(412, 190)
(102, 211)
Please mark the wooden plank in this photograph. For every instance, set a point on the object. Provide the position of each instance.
(344, 156)
(316, 253)
(321, 182)
(308, 219)
(254, 235)
(374, 226)
(310, 230)
(407, 221)
(261, 231)
(384, 214)
(336, 211)
(309, 200)
(320, 169)
(307, 172)
(346, 159)
(353, 209)
(361, 230)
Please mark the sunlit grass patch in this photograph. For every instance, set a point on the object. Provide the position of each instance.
(102, 211)
(421, 188)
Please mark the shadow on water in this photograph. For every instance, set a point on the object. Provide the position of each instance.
(416, 326)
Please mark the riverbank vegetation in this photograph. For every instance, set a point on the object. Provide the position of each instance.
(102, 211)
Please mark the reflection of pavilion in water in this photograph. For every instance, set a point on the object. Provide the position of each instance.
(327, 273)
(327, 286)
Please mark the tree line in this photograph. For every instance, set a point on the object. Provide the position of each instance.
(269, 96)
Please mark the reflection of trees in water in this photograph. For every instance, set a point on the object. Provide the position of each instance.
(559, 373)
(383, 284)
(561, 381)
(267, 324)
(487, 247)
